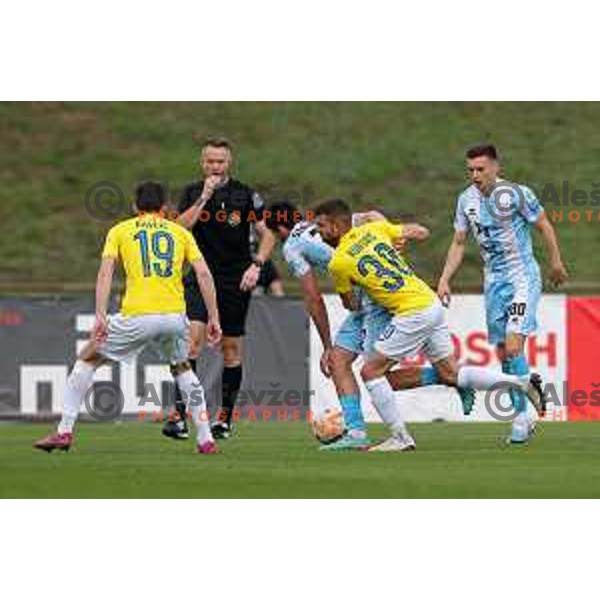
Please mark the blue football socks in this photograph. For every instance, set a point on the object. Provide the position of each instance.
(352, 411)
(517, 366)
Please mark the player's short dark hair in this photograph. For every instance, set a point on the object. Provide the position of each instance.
(217, 142)
(284, 214)
(488, 150)
(335, 207)
(150, 196)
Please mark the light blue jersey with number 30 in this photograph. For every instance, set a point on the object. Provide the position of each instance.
(501, 225)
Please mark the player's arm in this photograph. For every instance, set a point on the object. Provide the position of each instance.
(266, 244)
(558, 272)
(315, 306)
(110, 255)
(103, 287)
(265, 248)
(313, 299)
(370, 216)
(207, 289)
(403, 233)
(456, 252)
(533, 212)
(414, 232)
(350, 301)
(410, 231)
(454, 259)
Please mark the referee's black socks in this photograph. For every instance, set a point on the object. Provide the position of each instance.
(231, 381)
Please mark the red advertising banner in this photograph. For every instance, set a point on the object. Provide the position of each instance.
(583, 358)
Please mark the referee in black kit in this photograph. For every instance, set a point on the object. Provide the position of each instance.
(219, 212)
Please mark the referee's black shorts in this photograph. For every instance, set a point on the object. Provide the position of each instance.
(232, 302)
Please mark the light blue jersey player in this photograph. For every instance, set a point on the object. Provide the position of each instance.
(500, 215)
(512, 277)
(308, 255)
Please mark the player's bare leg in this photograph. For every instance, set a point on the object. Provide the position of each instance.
(177, 427)
(78, 383)
(405, 378)
(340, 364)
(342, 375)
(276, 289)
(197, 333)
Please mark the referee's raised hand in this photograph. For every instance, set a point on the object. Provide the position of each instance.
(190, 216)
(210, 185)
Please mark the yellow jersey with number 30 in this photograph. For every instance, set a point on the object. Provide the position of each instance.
(153, 251)
(366, 257)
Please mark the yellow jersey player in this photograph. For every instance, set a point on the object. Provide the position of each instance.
(366, 257)
(153, 251)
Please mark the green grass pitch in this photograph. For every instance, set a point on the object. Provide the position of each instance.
(404, 157)
(281, 460)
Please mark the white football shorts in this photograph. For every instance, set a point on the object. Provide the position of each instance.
(166, 334)
(424, 331)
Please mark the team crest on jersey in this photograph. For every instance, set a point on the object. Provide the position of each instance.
(234, 219)
(389, 331)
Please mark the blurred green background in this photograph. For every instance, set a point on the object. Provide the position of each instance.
(406, 158)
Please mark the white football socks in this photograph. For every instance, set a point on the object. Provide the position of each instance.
(482, 378)
(82, 377)
(387, 405)
(192, 393)
(78, 383)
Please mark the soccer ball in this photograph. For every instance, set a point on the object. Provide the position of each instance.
(329, 426)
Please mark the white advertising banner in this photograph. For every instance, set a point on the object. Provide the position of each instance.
(546, 352)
